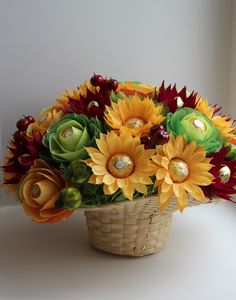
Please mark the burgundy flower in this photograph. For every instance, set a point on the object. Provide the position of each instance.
(174, 99)
(224, 172)
(23, 150)
(93, 104)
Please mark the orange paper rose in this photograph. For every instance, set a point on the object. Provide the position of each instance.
(39, 190)
(130, 88)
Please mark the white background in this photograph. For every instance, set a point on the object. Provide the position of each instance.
(232, 64)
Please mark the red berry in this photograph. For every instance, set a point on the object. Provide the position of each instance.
(115, 85)
(30, 119)
(97, 80)
(22, 124)
(161, 137)
(156, 128)
(111, 84)
(159, 134)
(147, 141)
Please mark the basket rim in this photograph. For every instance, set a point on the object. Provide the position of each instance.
(140, 200)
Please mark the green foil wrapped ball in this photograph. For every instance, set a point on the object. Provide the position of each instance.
(232, 152)
(68, 138)
(70, 199)
(196, 127)
(77, 172)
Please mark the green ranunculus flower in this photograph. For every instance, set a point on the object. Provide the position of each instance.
(67, 139)
(196, 127)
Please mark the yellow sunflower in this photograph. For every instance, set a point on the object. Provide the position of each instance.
(223, 123)
(181, 168)
(134, 114)
(121, 162)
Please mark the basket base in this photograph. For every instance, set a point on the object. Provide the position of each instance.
(130, 253)
(130, 228)
(133, 251)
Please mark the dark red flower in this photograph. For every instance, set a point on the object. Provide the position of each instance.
(174, 99)
(23, 150)
(93, 104)
(223, 185)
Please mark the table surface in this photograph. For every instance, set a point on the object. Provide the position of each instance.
(56, 261)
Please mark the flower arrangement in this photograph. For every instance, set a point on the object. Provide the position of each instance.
(109, 141)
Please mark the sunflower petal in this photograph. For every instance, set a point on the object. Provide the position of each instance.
(161, 173)
(201, 180)
(106, 190)
(141, 188)
(179, 145)
(178, 190)
(113, 187)
(167, 179)
(98, 158)
(194, 190)
(164, 198)
(165, 186)
(103, 147)
(122, 182)
(99, 170)
(182, 201)
(157, 159)
(128, 191)
(92, 179)
(165, 162)
(188, 151)
(197, 157)
(108, 179)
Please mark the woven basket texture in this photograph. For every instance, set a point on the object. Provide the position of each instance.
(132, 228)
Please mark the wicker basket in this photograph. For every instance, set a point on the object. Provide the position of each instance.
(133, 228)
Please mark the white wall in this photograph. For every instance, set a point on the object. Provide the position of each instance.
(49, 45)
(232, 64)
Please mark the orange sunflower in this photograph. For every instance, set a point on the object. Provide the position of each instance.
(134, 115)
(223, 123)
(121, 162)
(181, 168)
